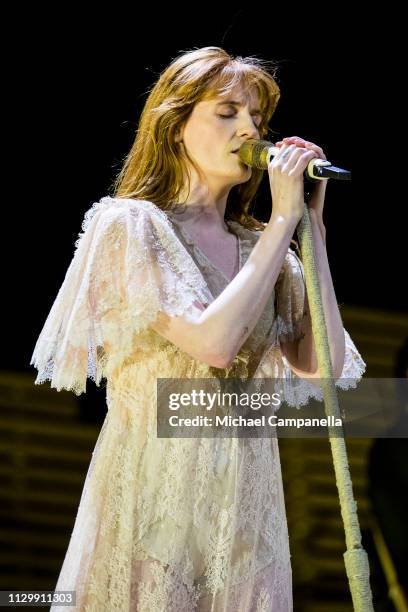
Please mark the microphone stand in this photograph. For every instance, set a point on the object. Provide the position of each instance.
(355, 557)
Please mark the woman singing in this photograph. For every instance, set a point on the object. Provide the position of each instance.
(173, 278)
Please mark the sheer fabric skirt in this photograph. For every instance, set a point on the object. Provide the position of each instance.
(178, 525)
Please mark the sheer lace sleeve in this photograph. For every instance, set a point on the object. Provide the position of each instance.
(128, 265)
(290, 300)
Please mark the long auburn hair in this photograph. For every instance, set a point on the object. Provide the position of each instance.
(154, 170)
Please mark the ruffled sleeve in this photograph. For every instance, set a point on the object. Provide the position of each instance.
(290, 292)
(290, 299)
(128, 265)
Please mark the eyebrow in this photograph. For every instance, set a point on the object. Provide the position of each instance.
(235, 103)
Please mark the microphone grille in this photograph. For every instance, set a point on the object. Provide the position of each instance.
(254, 153)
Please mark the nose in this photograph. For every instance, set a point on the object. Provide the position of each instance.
(246, 127)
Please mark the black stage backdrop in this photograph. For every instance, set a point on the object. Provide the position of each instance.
(77, 85)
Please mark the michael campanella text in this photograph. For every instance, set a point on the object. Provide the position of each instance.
(240, 421)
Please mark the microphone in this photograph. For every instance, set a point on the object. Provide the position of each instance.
(258, 154)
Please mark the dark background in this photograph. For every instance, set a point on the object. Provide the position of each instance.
(77, 87)
(74, 87)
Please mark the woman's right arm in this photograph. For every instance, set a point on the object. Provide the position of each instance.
(216, 336)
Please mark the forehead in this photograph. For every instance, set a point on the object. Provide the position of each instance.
(238, 95)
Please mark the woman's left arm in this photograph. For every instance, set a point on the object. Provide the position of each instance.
(302, 357)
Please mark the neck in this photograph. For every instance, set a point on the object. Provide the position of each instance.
(204, 206)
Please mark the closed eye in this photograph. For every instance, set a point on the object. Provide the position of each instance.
(229, 116)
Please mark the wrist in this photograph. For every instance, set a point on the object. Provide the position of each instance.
(284, 222)
(317, 220)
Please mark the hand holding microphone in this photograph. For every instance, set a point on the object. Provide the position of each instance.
(258, 153)
(289, 163)
(286, 172)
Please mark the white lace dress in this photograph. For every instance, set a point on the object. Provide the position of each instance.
(168, 525)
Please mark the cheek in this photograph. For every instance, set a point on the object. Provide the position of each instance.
(199, 141)
(204, 146)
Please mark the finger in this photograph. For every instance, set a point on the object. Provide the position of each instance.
(291, 151)
(292, 156)
(275, 160)
(284, 152)
(302, 163)
(314, 147)
(285, 141)
(295, 139)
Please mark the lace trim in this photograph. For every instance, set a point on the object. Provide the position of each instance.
(295, 390)
(245, 245)
(128, 265)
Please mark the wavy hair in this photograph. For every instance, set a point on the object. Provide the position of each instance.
(154, 170)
